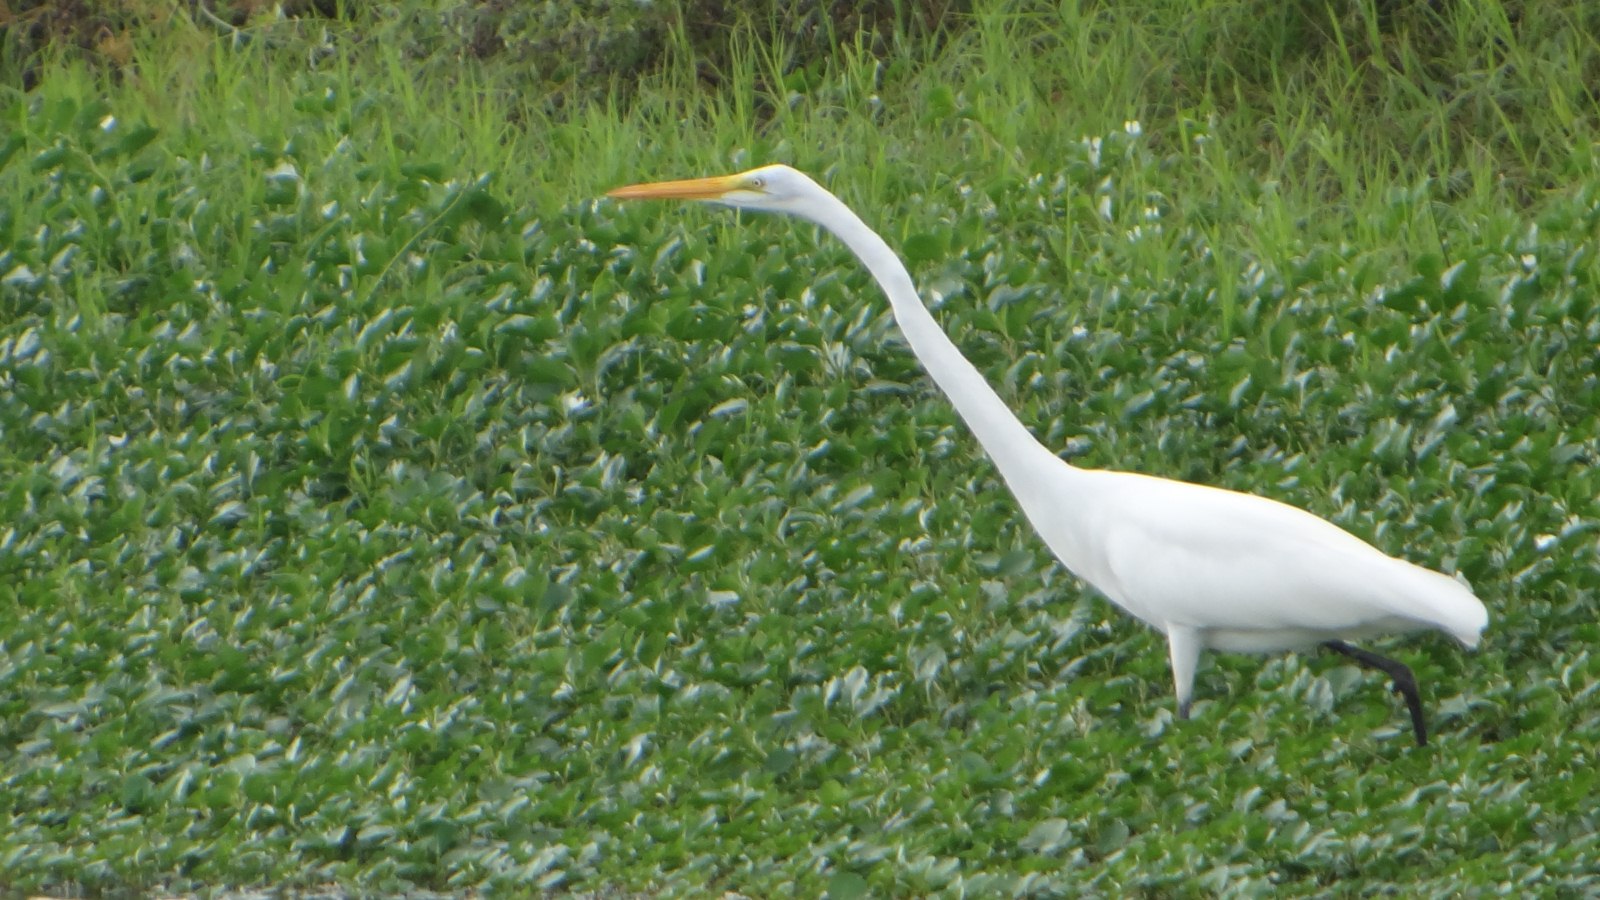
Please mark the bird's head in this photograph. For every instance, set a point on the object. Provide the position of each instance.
(769, 188)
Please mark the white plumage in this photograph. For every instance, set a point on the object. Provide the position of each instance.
(1209, 568)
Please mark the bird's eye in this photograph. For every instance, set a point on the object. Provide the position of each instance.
(758, 183)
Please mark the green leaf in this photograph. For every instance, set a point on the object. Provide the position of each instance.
(847, 886)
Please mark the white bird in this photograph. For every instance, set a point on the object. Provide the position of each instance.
(1212, 569)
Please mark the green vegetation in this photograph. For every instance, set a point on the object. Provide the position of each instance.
(379, 508)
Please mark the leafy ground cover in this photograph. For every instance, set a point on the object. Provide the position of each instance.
(380, 509)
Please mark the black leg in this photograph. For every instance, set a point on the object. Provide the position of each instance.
(1183, 710)
(1405, 684)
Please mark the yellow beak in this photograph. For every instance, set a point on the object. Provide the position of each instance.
(690, 189)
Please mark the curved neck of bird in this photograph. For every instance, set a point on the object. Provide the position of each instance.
(1006, 440)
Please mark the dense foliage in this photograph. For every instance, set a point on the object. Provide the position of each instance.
(379, 509)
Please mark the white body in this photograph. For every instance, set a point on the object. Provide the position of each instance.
(1217, 569)
(1209, 568)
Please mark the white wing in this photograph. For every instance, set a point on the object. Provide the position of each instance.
(1185, 554)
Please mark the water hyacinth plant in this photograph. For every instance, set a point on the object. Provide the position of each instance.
(380, 510)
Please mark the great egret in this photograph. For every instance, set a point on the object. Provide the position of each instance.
(1209, 568)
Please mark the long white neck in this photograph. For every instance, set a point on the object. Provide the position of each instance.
(1015, 451)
